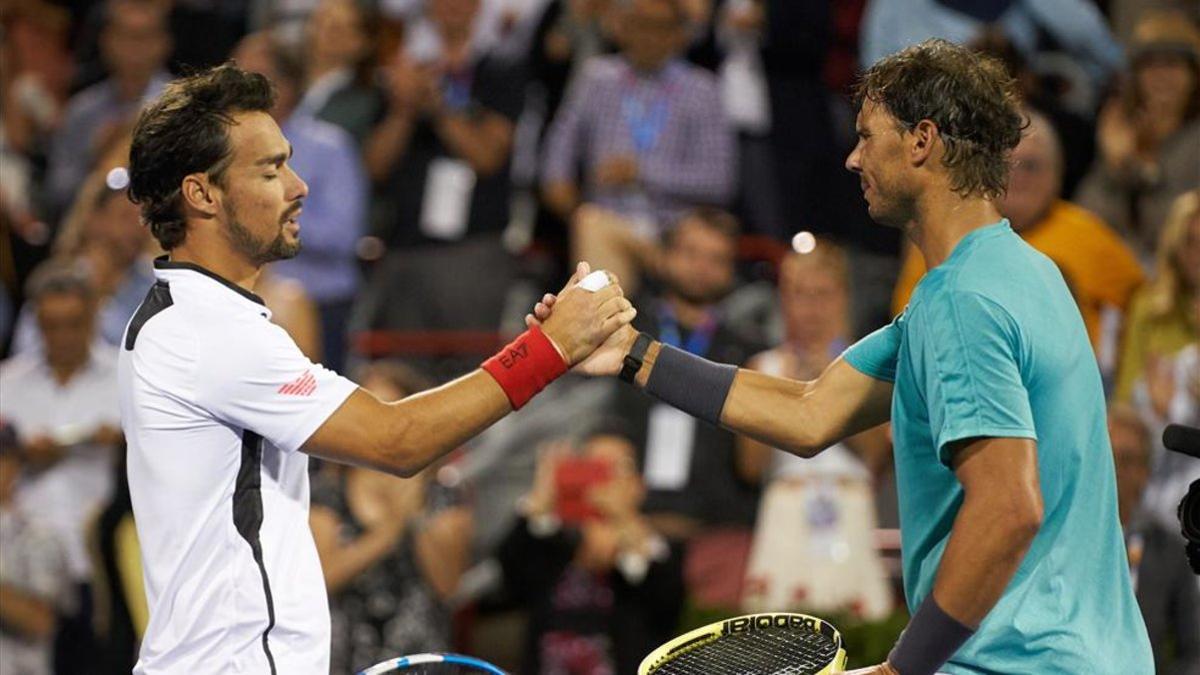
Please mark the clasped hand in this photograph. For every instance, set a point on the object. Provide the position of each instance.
(607, 357)
(584, 320)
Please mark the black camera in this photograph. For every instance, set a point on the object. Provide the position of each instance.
(1186, 440)
(1189, 520)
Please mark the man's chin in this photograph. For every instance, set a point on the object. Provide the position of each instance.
(290, 251)
(281, 249)
(884, 218)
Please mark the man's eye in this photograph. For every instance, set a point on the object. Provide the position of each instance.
(270, 176)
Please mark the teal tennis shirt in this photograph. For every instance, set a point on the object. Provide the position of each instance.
(992, 345)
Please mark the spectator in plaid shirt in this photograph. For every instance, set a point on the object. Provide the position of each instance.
(648, 134)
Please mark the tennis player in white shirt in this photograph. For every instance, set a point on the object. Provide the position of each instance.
(221, 409)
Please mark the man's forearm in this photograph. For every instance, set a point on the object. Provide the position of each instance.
(987, 544)
(561, 197)
(432, 423)
(387, 144)
(405, 436)
(800, 417)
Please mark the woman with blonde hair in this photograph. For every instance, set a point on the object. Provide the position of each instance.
(1164, 316)
(829, 564)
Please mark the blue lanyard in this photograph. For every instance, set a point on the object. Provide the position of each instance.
(698, 342)
(645, 115)
(645, 121)
(456, 89)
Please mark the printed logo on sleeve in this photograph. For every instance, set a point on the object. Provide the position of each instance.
(304, 385)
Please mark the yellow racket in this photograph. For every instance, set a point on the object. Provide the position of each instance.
(755, 644)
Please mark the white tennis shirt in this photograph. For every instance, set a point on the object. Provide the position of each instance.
(215, 402)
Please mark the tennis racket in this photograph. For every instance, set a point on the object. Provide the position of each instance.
(434, 664)
(755, 644)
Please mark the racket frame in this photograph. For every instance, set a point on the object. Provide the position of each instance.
(401, 662)
(747, 622)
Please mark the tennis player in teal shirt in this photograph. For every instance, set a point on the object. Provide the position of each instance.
(1012, 550)
(992, 346)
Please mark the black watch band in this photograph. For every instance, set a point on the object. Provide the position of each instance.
(633, 360)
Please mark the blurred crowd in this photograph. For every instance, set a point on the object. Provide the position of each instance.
(461, 154)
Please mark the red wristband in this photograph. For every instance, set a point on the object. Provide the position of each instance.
(525, 366)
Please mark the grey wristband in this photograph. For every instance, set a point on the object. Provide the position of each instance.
(696, 386)
(931, 638)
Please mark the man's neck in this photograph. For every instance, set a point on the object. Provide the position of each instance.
(65, 372)
(131, 87)
(645, 70)
(222, 263)
(322, 67)
(941, 223)
(456, 49)
(688, 314)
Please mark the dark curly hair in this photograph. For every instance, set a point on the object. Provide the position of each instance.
(186, 131)
(971, 99)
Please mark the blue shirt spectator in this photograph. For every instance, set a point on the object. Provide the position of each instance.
(1077, 25)
(326, 157)
(90, 115)
(113, 314)
(134, 44)
(671, 120)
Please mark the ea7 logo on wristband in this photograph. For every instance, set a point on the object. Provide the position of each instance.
(513, 354)
(524, 366)
(746, 624)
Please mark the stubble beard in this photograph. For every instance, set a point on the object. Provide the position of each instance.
(895, 212)
(255, 250)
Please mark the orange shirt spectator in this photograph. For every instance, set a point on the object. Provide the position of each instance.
(1099, 268)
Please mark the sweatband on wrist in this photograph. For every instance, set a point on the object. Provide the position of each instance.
(695, 385)
(525, 366)
(931, 638)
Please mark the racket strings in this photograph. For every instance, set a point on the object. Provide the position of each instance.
(762, 652)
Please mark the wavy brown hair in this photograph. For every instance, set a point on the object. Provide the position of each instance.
(186, 131)
(969, 97)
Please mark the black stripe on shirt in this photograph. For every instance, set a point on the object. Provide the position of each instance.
(248, 518)
(157, 299)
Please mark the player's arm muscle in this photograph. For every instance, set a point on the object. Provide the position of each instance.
(404, 436)
(999, 518)
(802, 418)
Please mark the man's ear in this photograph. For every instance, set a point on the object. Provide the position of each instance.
(199, 194)
(923, 140)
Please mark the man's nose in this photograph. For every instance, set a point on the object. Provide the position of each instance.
(852, 163)
(300, 189)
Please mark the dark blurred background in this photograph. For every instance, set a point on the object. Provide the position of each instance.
(461, 155)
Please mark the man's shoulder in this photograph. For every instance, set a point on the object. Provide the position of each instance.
(187, 321)
(103, 360)
(20, 367)
(603, 69)
(695, 78)
(1070, 226)
(999, 262)
(956, 297)
(87, 100)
